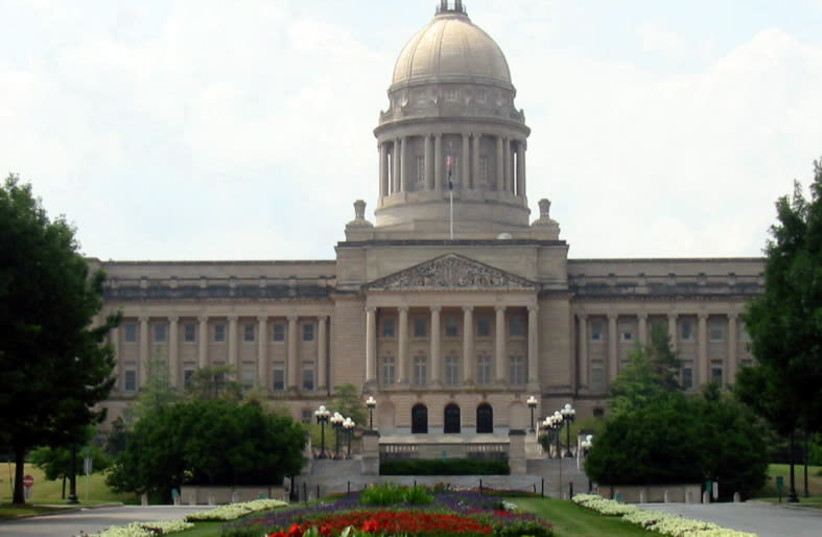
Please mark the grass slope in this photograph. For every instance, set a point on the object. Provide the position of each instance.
(571, 520)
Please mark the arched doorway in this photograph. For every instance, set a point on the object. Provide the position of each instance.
(419, 419)
(485, 419)
(452, 419)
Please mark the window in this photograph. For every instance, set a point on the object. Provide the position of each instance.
(307, 416)
(278, 332)
(248, 332)
(516, 326)
(686, 330)
(308, 332)
(452, 419)
(596, 331)
(485, 419)
(130, 332)
(219, 333)
(483, 327)
(451, 95)
(419, 419)
(130, 380)
(716, 331)
(452, 326)
(188, 377)
(687, 377)
(420, 170)
(483, 369)
(420, 327)
(248, 374)
(308, 377)
(420, 376)
(452, 370)
(483, 170)
(716, 371)
(389, 327)
(160, 333)
(278, 378)
(597, 381)
(189, 332)
(516, 373)
(627, 335)
(388, 370)
(482, 96)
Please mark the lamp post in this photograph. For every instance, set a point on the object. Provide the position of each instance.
(370, 403)
(568, 414)
(336, 422)
(532, 404)
(322, 414)
(348, 424)
(584, 446)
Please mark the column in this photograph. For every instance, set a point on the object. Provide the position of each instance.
(499, 366)
(144, 351)
(583, 349)
(402, 340)
(522, 189)
(509, 165)
(500, 164)
(435, 345)
(518, 168)
(403, 167)
(202, 357)
(475, 155)
(733, 359)
(429, 163)
(173, 352)
(533, 343)
(383, 170)
(322, 352)
(292, 367)
(438, 163)
(613, 356)
(466, 162)
(233, 355)
(395, 176)
(468, 344)
(672, 330)
(643, 328)
(370, 344)
(262, 354)
(703, 349)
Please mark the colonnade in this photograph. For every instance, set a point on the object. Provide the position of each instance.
(396, 175)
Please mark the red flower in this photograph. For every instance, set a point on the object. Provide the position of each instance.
(295, 531)
(278, 534)
(370, 526)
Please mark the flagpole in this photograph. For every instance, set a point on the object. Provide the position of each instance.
(451, 192)
(448, 165)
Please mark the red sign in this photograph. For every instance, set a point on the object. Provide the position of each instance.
(28, 481)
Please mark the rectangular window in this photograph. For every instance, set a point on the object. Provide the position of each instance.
(483, 170)
(278, 376)
(716, 371)
(483, 370)
(420, 371)
(420, 327)
(308, 332)
(160, 333)
(189, 332)
(420, 170)
(278, 332)
(130, 330)
(516, 373)
(308, 378)
(716, 331)
(188, 377)
(687, 375)
(686, 330)
(219, 332)
(627, 336)
(516, 326)
(452, 326)
(597, 377)
(596, 331)
(248, 332)
(388, 374)
(483, 327)
(307, 416)
(389, 327)
(130, 380)
(451, 95)
(482, 96)
(452, 371)
(249, 372)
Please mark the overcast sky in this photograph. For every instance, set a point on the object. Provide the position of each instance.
(242, 129)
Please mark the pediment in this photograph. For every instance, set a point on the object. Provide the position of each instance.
(451, 272)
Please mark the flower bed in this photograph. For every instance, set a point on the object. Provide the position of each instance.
(145, 529)
(449, 514)
(662, 523)
(234, 511)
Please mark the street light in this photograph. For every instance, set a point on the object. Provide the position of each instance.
(322, 414)
(532, 404)
(568, 414)
(348, 424)
(336, 422)
(554, 423)
(371, 403)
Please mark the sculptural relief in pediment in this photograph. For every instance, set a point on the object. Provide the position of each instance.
(451, 272)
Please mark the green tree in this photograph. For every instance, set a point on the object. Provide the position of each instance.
(215, 382)
(651, 370)
(785, 322)
(56, 462)
(54, 367)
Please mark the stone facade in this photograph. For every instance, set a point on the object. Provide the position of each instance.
(451, 308)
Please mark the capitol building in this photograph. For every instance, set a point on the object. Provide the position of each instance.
(453, 304)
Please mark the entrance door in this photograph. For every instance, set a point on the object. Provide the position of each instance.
(419, 419)
(452, 419)
(485, 418)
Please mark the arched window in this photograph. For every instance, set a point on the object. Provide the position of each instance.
(419, 419)
(485, 418)
(452, 419)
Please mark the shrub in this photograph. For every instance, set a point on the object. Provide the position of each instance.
(445, 467)
(393, 494)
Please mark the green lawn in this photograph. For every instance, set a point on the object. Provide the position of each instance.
(814, 482)
(570, 520)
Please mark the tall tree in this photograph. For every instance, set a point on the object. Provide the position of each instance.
(54, 367)
(785, 322)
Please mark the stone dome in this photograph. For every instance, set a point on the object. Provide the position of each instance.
(451, 49)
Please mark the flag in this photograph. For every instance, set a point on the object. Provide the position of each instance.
(448, 162)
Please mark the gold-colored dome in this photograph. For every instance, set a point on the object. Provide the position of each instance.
(451, 49)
